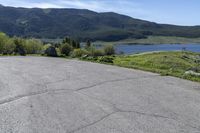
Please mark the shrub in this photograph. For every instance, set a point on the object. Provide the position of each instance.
(33, 46)
(109, 50)
(92, 51)
(51, 51)
(89, 58)
(79, 53)
(98, 52)
(9, 47)
(106, 59)
(58, 52)
(3, 39)
(46, 46)
(20, 46)
(65, 49)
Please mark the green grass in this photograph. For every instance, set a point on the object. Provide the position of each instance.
(165, 63)
(156, 40)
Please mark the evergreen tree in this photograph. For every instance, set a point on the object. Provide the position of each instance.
(88, 44)
(78, 44)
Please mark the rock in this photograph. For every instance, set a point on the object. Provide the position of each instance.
(51, 51)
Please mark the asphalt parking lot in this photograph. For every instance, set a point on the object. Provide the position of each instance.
(54, 95)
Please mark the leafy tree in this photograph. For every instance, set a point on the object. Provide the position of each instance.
(78, 45)
(33, 46)
(20, 46)
(9, 47)
(3, 40)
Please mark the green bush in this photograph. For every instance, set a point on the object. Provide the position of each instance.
(9, 47)
(33, 46)
(102, 59)
(58, 52)
(109, 50)
(106, 59)
(98, 52)
(89, 58)
(79, 53)
(65, 49)
(92, 51)
(46, 46)
(20, 46)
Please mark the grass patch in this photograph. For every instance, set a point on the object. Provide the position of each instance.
(164, 63)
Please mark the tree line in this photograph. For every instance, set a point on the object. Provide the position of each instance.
(68, 47)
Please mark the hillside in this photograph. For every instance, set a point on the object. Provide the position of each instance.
(83, 24)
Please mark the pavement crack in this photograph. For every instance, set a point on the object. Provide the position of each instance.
(111, 81)
(11, 99)
(120, 111)
(145, 114)
(159, 116)
(21, 96)
(15, 98)
(124, 111)
(61, 80)
(93, 123)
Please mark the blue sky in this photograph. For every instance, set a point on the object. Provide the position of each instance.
(181, 12)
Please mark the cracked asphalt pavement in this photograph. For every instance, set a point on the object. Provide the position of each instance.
(54, 95)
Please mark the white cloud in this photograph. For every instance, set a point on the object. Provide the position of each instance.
(121, 6)
(44, 5)
(127, 7)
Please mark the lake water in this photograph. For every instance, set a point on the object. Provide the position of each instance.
(139, 48)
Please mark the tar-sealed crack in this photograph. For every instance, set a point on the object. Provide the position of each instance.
(115, 80)
(108, 115)
(21, 96)
(46, 90)
(93, 123)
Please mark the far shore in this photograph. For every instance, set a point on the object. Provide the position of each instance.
(153, 40)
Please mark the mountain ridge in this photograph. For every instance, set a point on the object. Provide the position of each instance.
(83, 24)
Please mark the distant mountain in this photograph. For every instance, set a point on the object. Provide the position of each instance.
(83, 25)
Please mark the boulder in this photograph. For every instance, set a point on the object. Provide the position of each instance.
(51, 51)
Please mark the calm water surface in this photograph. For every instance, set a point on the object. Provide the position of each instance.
(132, 49)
